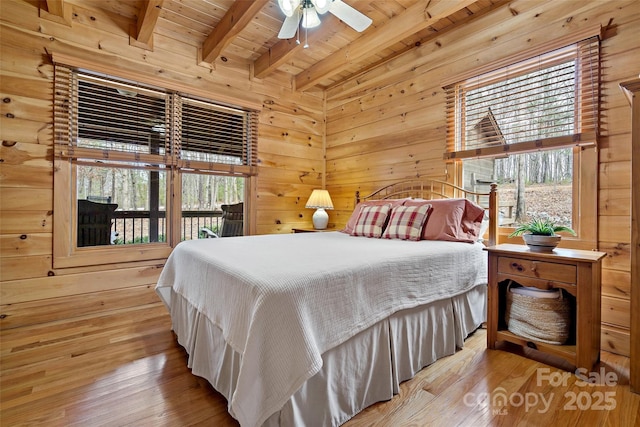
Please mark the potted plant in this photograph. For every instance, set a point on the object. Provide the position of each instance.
(540, 234)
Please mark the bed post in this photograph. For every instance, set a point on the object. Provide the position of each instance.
(493, 215)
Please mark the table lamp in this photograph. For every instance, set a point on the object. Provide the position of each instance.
(320, 200)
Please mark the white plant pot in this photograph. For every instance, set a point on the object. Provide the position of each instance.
(539, 243)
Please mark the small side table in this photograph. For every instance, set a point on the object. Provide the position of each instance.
(576, 271)
(312, 230)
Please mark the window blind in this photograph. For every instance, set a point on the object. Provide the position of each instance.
(545, 102)
(214, 133)
(118, 116)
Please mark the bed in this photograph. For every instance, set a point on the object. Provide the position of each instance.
(311, 328)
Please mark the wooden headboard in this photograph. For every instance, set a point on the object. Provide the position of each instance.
(435, 189)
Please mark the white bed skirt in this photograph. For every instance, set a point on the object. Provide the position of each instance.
(367, 368)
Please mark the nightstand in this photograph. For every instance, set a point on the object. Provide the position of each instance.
(575, 271)
(312, 230)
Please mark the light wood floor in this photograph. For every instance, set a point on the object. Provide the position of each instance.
(125, 368)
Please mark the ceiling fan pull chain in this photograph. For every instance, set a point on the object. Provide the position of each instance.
(298, 30)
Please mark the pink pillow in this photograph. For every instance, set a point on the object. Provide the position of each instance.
(406, 222)
(371, 221)
(356, 212)
(455, 220)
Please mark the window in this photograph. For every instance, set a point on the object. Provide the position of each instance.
(140, 168)
(531, 126)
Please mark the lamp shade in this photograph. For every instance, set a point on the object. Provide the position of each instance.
(319, 199)
(310, 18)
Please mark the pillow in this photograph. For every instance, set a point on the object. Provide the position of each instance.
(456, 220)
(472, 220)
(371, 221)
(356, 212)
(406, 222)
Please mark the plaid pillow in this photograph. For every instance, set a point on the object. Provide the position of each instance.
(371, 221)
(406, 222)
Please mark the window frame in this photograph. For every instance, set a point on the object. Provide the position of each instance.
(67, 155)
(585, 144)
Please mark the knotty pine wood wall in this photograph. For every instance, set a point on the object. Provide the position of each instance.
(389, 123)
(386, 125)
(291, 161)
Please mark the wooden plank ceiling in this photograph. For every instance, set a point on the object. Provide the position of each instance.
(246, 32)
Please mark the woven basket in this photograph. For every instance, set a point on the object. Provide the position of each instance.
(546, 320)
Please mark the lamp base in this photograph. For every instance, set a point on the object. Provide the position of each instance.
(320, 219)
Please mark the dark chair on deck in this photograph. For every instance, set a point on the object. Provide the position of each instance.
(232, 222)
(94, 223)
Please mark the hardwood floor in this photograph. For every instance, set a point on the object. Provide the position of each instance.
(125, 368)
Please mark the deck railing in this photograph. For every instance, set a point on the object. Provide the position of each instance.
(130, 227)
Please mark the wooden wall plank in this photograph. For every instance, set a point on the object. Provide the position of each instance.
(22, 107)
(616, 283)
(614, 201)
(35, 289)
(21, 176)
(615, 175)
(615, 148)
(25, 267)
(27, 131)
(25, 199)
(615, 340)
(23, 221)
(618, 255)
(54, 309)
(615, 312)
(36, 89)
(26, 244)
(618, 228)
(24, 154)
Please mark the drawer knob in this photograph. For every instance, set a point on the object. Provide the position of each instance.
(517, 266)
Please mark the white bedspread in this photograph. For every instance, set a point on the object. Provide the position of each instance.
(283, 300)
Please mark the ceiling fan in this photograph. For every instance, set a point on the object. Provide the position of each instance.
(305, 12)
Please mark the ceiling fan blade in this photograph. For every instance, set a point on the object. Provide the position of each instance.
(356, 20)
(289, 26)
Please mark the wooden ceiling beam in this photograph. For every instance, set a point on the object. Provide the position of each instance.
(239, 15)
(274, 57)
(58, 11)
(415, 18)
(280, 52)
(148, 20)
(56, 7)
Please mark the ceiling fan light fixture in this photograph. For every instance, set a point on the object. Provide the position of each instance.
(288, 7)
(310, 18)
(304, 13)
(322, 6)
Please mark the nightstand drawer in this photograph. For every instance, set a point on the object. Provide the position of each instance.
(537, 269)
